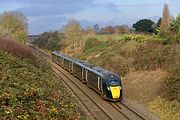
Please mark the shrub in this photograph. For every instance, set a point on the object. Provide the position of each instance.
(22, 52)
(50, 40)
(16, 49)
(152, 56)
(127, 38)
(28, 93)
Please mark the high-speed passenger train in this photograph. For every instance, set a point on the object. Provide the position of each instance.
(106, 83)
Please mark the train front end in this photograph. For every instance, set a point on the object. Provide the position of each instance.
(113, 89)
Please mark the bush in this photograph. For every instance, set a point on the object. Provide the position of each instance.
(16, 49)
(127, 38)
(22, 52)
(91, 42)
(152, 56)
(165, 109)
(50, 41)
(93, 46)
(29, 93)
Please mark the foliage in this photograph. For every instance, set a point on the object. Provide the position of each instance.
(73, 34)
(157, 28)
(30, 93)
(126, 37)
(90, 32)
(13, 25)
(93, 45)
(118, 29)
(96, 28)
(137, 53)
(159, 22)
(175, 29)
(144, 25)
(122, 29)
(22, 52)
(165, 109)
(15, 49)
(50, 40)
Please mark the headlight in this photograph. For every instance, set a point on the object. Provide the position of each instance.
(108, 88)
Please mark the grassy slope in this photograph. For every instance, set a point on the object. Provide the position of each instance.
(139, 53)
(27, 92)
(126, 37)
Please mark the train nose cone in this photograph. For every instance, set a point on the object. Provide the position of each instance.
(115, 91)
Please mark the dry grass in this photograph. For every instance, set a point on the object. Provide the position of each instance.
(165, 109)
(144, 86)
(124, 57)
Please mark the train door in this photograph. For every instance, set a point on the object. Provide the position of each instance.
(72, 65)
(100, 81)
(62, 61)
(82, 73)
(86, 75)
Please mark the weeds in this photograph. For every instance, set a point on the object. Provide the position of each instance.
(30, 91)
(165, 109)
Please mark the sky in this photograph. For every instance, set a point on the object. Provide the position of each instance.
(46, 15)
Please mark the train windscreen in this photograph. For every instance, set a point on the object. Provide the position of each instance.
(114, 82)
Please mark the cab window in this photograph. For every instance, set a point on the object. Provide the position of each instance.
(114, 83)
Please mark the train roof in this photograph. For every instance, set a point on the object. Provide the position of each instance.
(63, 55)
(105, 73)
(95, 69)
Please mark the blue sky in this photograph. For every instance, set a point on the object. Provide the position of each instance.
(45, 15)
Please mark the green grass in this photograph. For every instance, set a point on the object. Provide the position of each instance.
(27, 92)
(125, 37)
(92, 46)
(105, 37)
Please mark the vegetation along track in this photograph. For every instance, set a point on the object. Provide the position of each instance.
(97, 107)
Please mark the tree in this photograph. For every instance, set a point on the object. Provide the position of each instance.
(90, 31)
(121, 29)
(157, 28)
(159, 22)
(50, 40)
(109, 30)
(165, 24)
(175, 28)
(96, 28)
(13, 25)
(73, 34)
(144, 25)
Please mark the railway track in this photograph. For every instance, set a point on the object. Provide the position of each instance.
(98, 108)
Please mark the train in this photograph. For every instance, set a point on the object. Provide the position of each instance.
(104, 82)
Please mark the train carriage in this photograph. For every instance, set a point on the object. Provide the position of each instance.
(106, 83)
(60, 61)
(78, 70)
(54, 56)
(67, 64)
(58, 58)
